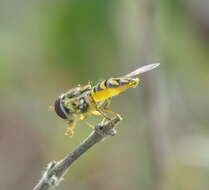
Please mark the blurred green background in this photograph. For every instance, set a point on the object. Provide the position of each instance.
(47, 47)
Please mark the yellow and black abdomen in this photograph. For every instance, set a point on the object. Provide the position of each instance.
(112, 87)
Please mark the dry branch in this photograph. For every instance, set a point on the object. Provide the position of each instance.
(57, 169)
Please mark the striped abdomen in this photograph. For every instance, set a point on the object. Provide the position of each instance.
(112, 87)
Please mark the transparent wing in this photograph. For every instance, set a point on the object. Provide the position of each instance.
(142, 69)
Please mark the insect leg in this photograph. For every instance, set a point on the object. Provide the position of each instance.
(83, 88)
(112, 113)
(99, 111)
(71, 125)
(102, 113)
(107, 103)
(107, 110)
(90, 125)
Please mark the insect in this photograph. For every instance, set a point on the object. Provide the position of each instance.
(82, 101)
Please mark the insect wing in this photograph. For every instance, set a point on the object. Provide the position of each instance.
(143, 69)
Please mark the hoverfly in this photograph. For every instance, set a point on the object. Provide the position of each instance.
(80, 102)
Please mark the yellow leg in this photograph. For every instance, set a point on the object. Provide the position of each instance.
(107, 110)
(103, 114)
(90, 125)
(112, 113)
(69, 132)
(107, 103)
(82, 117)
(100, 111)
(85, 87)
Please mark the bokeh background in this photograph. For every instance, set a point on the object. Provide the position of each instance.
(47, 47)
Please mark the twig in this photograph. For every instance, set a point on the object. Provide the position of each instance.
(57, 169)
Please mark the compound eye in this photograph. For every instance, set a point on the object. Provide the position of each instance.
(59, 109)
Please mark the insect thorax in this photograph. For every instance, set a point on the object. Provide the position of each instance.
(77, 103)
